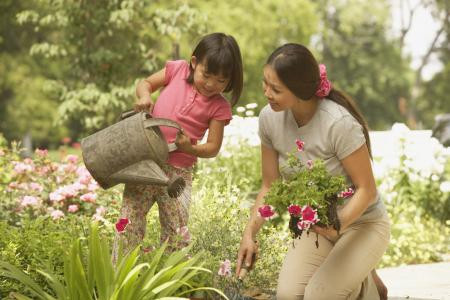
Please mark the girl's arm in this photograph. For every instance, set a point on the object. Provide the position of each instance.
(210, 148)
(358, 166)
(145, 87)
(270, 173)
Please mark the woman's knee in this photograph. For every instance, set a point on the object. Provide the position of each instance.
(289, 292)
(324, 291)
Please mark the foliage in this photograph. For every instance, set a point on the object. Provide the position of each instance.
(312, 187)
(352, 58)
(258, 35)
(220, 213)
(41, 242)
(101, 280)
(39, 186)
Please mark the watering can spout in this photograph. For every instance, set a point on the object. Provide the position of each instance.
(148, 172)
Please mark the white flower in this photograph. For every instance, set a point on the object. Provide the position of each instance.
(445, 186)
(249, 113)
(240, 109)
(251, 105)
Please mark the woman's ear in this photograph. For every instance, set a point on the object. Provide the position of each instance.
(193, 62)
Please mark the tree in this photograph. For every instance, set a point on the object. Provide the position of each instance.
(361, 59)
(24, 109)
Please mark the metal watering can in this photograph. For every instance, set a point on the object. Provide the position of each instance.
(131, 151)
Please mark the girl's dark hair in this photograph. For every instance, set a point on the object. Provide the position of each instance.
(298, 70)
(221, 55)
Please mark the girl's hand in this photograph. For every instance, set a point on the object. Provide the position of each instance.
(183, 142)
(246, 255)
(328, 232)
(144, 104)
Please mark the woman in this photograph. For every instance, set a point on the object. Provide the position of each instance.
(303, 105)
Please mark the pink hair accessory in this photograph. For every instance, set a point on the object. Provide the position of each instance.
(325, 85)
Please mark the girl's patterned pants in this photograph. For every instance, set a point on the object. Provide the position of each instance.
(173, 213)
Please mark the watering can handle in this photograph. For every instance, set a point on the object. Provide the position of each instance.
(163, 122)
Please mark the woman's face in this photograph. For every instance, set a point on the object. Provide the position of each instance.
(278, 95)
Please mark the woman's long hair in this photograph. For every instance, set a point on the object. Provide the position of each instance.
(298, 70)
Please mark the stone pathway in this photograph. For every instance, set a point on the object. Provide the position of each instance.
(418, 282)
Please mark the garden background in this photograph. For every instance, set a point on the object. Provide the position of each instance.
(69, 68)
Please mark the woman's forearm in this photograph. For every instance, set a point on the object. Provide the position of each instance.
(356, 206)
(255, 223)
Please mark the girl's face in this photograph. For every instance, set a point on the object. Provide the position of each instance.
(206, 83)
(278, 95)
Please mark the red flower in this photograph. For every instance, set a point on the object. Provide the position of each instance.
(346, 193)
(294, 210)
(122, 224)
(309, 214)
(300, 145)
(267, 212)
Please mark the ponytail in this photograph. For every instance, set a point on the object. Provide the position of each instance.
(349, 104)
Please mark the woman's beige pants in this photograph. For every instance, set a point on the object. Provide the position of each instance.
(338, 269)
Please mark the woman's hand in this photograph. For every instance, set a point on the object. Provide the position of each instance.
(144, 104)
(183, 142)
(246, 255)
(328, 232)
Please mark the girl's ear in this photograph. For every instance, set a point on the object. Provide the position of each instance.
(193, 62)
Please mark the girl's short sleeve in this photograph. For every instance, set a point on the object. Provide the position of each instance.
(264, 135)
(222, 112)
(346, 136)
(173, 67)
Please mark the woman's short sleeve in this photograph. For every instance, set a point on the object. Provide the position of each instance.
(346, 136)
(264, 135)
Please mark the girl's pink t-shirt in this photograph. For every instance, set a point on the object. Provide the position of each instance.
(180, 102)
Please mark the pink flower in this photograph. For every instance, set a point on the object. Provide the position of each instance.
(29, 201)
(225, 268)
(267, 212)
(184, 233)
(76, 145)
(93, 186)
(66, 140)
(122, 224)
(36, 187)
(346, 193)
(99, 212)
(309, 164)
(309, 214)
(72, 208)
(21, 168)
(303, 225)
(69, 168)
(56, 214)
(56, 196)
(71, 158)
(294, 210)
(41, 152)
(300, 145)
(89, 197)
(324, 85)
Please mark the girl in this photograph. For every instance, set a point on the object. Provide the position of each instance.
(191, 96)
(303, 105)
